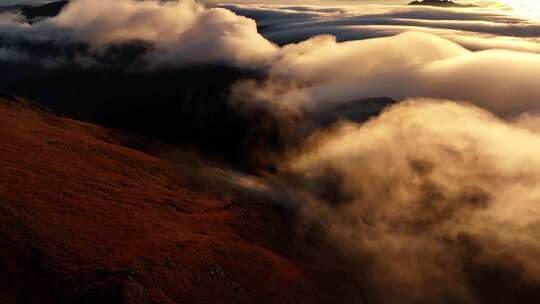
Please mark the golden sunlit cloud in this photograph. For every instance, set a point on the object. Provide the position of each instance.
(524, 7)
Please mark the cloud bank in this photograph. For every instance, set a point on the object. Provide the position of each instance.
(285, 24)
(407, 65)
(179, 32)
(430, 200)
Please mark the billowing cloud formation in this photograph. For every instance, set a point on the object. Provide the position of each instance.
(180, 32)
(286, 24)
(407, 65)
(281, 23)
(434, 202)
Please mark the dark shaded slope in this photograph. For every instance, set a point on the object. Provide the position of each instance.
(187, 107)
(86, 220)
(47, 10)
(31, 12)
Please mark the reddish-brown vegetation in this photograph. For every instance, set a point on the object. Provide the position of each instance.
(85, 219)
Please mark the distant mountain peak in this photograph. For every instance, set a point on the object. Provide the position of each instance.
(440, 3)
(33, 12)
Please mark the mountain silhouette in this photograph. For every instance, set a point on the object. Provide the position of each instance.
(32, 12)
(440, 3)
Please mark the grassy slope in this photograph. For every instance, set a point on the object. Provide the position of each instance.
(84, 219)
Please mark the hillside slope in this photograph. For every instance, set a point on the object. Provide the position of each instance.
(84, 219)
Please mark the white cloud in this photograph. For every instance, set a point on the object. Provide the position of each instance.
(433, 189)
(403, 66)
(182, 32)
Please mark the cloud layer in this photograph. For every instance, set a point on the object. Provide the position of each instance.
(180, 32)
(284, 24)
(407, 65)
(429, 197)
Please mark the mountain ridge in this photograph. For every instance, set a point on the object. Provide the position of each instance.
(440, 3)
